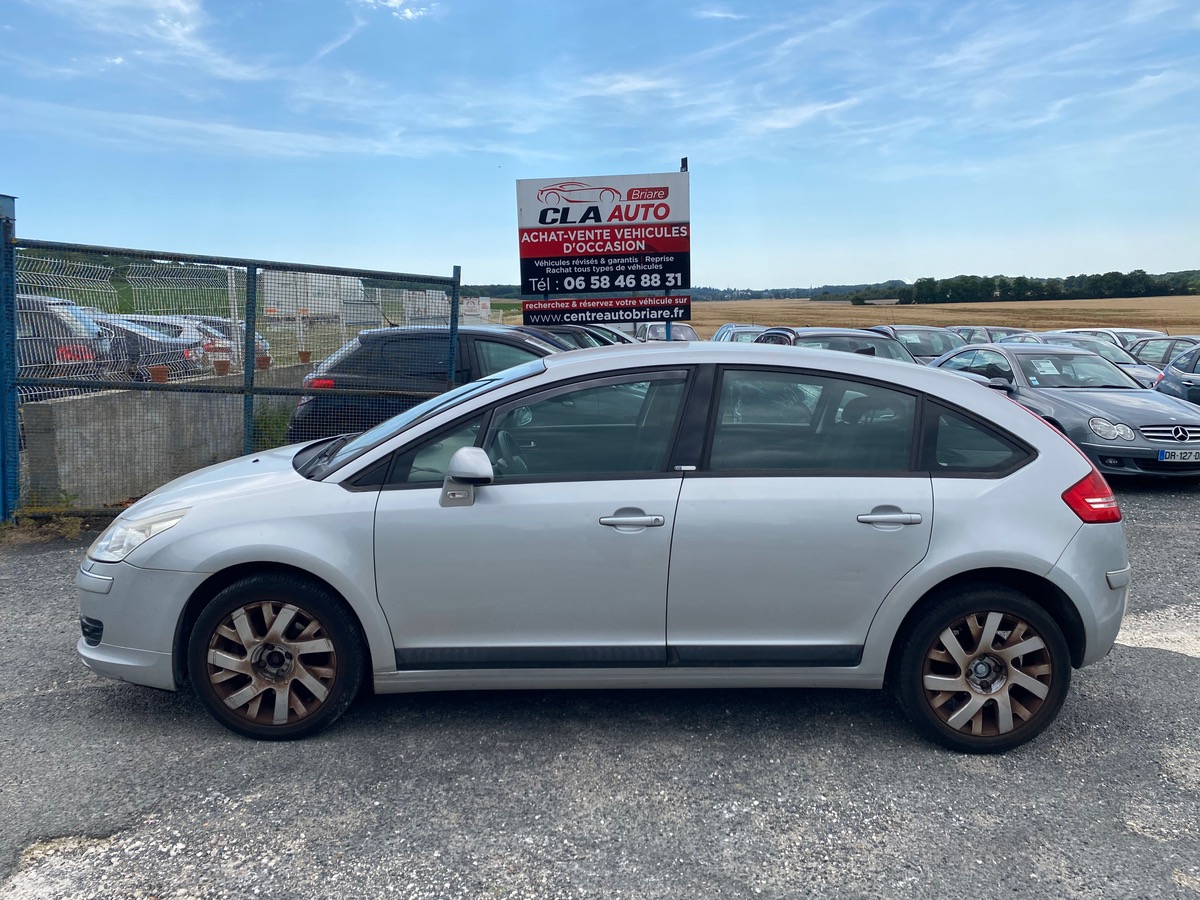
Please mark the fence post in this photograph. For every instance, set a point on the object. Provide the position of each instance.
(250, 361)
(10, 447)
(453, 349)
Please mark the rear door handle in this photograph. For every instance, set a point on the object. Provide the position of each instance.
(898, 518)
(633, 521)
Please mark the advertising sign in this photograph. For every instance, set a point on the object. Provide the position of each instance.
(606, 310)
(604, 234)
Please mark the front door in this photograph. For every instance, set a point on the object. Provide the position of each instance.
(563, 560)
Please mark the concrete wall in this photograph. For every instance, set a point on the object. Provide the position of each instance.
(101, 450)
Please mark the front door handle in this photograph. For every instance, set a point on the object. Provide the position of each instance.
(897, 518)
(633, 521)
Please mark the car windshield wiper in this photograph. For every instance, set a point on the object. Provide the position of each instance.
(326, 454)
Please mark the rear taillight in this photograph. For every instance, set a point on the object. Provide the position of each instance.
(1092, 499)
(318, 384)
(1159, 378)
(68, 353)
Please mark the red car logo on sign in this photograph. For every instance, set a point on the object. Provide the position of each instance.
(577, 192)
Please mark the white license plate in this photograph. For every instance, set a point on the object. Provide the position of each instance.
(1179, 455)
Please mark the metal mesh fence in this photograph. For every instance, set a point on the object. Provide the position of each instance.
(136, 367)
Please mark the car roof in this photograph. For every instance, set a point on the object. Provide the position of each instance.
(41, 298)
(391, 330)
(1036, 349)
(915, 327)
(818, 330)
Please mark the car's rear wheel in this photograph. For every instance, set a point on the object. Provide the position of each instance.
(275, 657)
(983, 670)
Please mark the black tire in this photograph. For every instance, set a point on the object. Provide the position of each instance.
(999, 683)
(250, 678)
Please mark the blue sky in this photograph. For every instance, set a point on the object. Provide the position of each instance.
(833, 141)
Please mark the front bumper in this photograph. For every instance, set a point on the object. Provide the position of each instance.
(1123, 458)
(136, 614)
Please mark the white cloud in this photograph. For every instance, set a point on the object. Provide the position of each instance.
(795, 116)
(716, 14)
(401, 9)
(211, 137)
(341, 40)
(166, 32)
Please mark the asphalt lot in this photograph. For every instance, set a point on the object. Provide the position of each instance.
(119, 791)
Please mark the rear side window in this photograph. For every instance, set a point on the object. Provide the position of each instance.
(1154, 352)
(420, 358)
(1186, 362)
(962, 445)
(495, 356)
(40, 324)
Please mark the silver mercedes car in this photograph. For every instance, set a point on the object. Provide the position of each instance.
(940, 542)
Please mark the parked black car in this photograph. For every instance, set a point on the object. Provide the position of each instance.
(384, 371)
(58, 339)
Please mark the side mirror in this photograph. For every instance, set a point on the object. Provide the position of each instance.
(469, 467)
(1001, 384)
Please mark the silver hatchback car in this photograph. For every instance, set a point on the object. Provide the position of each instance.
(938, 539)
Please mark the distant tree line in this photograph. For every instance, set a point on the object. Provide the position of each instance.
(977, 289)
(959, 289)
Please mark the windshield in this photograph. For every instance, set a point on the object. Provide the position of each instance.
(1111, 352)
(343, 449)
(1053, 370)
(679, 332)
(81, 318)
(879, 347)
(930, 342)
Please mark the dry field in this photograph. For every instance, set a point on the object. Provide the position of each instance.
(1175, 315)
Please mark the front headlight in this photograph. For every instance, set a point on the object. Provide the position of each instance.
(1110, 432)
(124, 536)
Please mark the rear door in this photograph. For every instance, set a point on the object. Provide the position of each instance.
(805, 512)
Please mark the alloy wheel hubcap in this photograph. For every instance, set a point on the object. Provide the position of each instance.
(271, 662)
(987, 674)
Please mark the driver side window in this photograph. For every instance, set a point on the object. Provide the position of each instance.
(615, 428)
(425, 464)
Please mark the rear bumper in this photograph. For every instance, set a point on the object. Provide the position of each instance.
(1094, 572)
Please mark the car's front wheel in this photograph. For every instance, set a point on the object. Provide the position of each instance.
(983, 670)
(275, 657)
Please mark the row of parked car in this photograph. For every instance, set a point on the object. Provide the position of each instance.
(1127, 415)
(60, 339)
(1127, 397)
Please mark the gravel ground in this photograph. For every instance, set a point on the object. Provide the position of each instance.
(110, 790)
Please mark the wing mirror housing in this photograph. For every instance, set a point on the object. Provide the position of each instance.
(469, 468)
(1001, 384)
